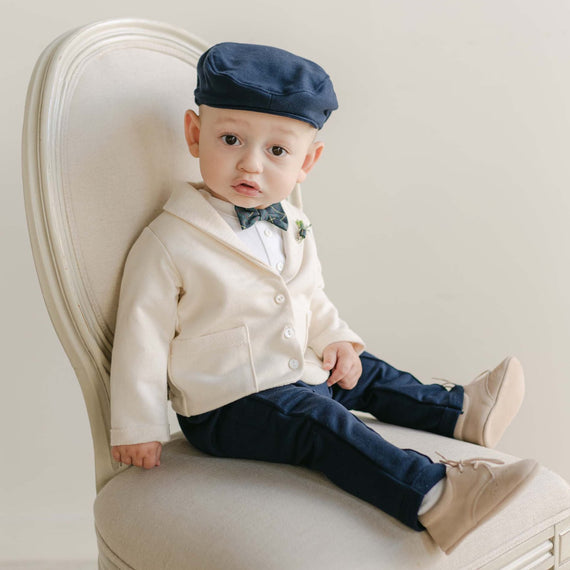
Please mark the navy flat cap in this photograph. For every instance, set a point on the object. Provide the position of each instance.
(264, 79)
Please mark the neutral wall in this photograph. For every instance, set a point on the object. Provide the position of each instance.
(441, 206)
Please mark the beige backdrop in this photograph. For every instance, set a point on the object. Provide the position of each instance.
(441, 207)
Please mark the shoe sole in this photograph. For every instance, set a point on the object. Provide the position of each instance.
(505, 408)
(499, 506)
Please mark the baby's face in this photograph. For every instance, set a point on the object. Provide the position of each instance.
(251, 159)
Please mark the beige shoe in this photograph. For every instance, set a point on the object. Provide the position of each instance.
(490, 403)
(474, 490)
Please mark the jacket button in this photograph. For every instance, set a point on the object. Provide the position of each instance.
(293, 364)
(279, 299)
(288, 332)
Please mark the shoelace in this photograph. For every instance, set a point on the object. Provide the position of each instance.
(473, 461)
(449, 385)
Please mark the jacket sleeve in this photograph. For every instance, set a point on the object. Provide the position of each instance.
(326, 326)
(145, 326)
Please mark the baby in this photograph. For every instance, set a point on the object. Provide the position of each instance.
(223, 311)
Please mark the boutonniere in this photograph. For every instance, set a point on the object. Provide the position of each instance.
(303, 229)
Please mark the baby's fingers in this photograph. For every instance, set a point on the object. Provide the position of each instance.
(350, 380)
(341, 370)
(152, 457)
(121, 455)
(329, 358)
(149, 461)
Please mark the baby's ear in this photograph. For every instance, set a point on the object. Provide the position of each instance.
(192, 132)
(313, 155)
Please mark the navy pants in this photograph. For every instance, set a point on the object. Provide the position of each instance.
(307, 425)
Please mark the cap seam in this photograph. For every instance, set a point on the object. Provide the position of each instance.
(258, 110)
(264, 90)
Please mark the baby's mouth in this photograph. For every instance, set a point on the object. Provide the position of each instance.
(246, 188)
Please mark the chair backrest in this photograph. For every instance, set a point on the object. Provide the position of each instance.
(103, 142)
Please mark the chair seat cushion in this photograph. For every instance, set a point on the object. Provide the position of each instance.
(197, 511)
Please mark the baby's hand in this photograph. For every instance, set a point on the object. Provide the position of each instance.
(342, 359)
(145, 455)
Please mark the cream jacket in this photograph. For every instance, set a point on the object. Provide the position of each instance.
(203, 322)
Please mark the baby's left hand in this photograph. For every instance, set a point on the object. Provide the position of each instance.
(342, 359)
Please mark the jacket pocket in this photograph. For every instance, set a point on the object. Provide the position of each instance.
(212, 370)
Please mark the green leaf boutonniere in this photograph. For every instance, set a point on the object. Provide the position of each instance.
(303, 229)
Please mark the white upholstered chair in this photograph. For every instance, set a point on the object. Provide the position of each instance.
(103, 141)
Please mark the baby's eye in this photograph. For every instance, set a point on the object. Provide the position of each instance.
(278, 151)
(230, 140)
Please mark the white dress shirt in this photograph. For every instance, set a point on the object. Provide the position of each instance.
(263, 239)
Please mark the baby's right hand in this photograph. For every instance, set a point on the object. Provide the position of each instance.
(145, 455)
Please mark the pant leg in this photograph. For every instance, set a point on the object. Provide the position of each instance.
(302, 425)
(397, 397)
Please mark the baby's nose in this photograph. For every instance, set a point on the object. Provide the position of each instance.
(251, 161)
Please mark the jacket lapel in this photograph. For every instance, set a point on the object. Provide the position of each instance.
(292, 245)
(188, 204)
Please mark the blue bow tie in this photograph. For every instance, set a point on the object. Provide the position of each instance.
(274, 214)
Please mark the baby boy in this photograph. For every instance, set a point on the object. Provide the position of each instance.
(223, 311)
